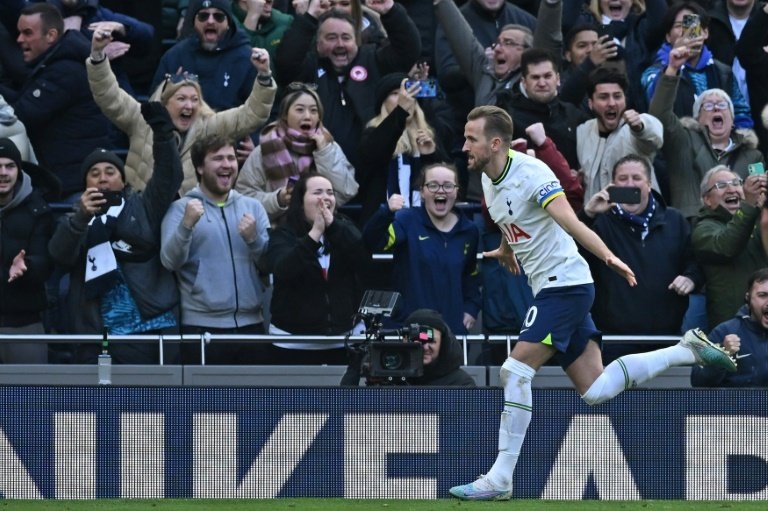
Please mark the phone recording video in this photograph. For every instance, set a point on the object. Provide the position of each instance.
(691, 26)
(112, 198)
(624, 194)
(428, 88)
(756, 169)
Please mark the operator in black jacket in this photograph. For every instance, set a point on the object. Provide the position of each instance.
(442, 356)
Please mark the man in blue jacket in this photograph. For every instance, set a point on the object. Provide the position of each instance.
(746, 337)
(217, 52)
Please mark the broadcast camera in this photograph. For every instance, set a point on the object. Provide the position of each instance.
(393, 361)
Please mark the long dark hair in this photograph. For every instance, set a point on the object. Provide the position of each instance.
(295, 217)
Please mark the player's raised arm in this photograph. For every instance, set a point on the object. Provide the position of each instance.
(563, 214)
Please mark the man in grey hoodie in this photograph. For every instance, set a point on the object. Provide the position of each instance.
(212, 238)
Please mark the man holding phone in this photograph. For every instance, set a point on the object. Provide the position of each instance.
(110, 245)
(655, 240)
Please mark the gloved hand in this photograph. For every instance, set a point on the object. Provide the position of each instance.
(158, 118)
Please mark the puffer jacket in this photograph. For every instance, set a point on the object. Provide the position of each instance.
(125, 112)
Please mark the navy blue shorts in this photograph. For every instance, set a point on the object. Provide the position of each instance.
(560, 317)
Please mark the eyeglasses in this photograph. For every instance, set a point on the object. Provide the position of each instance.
(218, 16)
(709, 105)
(509, 43)
(722, 185)
(178, 78)
(434, 187)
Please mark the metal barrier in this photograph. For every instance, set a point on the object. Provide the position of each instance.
(207, 338)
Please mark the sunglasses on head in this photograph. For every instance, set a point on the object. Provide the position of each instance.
(218, 16)
(178, 78)
(301, 86)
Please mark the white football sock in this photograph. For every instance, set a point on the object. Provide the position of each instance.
(631, 370)
(514, 421)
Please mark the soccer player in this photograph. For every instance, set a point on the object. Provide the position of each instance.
(526, 201)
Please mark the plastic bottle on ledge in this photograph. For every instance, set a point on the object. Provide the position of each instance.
(105, 363)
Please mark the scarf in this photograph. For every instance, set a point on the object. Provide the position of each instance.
(642, 221)
(101, 273)
(285, 152)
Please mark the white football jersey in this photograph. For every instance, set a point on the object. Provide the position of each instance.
(516, 202)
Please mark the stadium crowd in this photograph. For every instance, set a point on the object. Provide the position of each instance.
(231, 166)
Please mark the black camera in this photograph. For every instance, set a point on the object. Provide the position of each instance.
(389, 357)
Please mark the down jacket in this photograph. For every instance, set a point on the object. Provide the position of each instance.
(125, 112)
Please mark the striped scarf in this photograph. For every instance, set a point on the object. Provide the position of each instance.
(285, 152)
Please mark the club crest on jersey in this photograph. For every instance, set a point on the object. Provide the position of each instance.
(513, 233)
(509, 207)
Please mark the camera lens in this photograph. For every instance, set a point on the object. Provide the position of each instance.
(391, 360)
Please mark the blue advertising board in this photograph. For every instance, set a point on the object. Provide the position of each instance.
(393, 442)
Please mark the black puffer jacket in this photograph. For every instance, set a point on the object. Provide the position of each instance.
(57, 108)
(26, 223)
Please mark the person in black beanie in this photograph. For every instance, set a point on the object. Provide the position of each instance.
(442, 356)
(111, 245)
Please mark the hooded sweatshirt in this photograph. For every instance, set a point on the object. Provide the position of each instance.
(216, 269)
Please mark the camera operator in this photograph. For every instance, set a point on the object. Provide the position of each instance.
(442, 356)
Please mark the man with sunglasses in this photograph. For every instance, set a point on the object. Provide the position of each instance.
(693, 146)
(729, 240)
(217, 52)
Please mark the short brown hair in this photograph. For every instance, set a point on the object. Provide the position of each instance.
(207, 144)
(497, 121)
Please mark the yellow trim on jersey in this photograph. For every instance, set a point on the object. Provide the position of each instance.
(510, 157)
(549, 199)
(547, 340)
(391, 237)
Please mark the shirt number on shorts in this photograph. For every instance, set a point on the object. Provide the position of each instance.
(530, 316)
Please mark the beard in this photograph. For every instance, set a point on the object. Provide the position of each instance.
(478, 163)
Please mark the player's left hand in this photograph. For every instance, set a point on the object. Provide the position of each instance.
(622, 269)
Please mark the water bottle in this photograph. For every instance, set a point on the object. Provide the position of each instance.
(105, 364)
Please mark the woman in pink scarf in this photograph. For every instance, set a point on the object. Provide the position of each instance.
(294, 145)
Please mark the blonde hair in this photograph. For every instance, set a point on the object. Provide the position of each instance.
(416, 121)
(638, 7)
(166, 89)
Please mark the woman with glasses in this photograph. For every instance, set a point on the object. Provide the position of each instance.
(296, 144)
(315, 258)
(394, 146)
(434, 247)
(182, 96)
